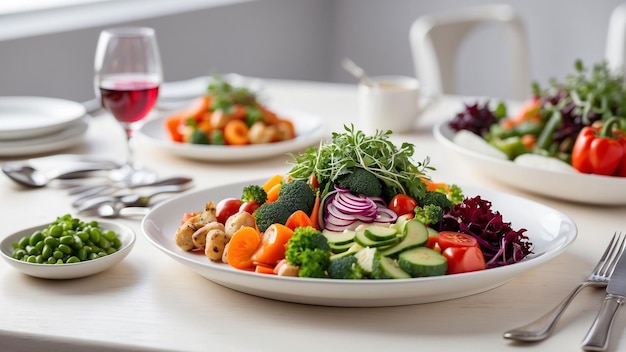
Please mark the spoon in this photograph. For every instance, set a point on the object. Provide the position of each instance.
(85, 193)
(27, 175)
(114, 211)
(131, 199)
(357, 71)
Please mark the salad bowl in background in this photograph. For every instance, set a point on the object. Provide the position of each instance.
(550, 231)
(569, 186)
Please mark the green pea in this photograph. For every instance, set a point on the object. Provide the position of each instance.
(19, 253)
(31, 250)
(31, 259)
(93, 256)
(83, 235)
(111, 250)
(94, 235)
(67, 240)
(65, 248)
(56, 231)
(117, 243)
(39, 246)
(58, 254)
(23, 242)
(36, 238)
(104, 243)
(110, 235)
(78, 243)
(46, 252)
(59, 261)
(51, 241)
(39, 259)
(82, 254)
(51, 260)
(93, 223)
(102, 254)
(72, 259)
(87, 249)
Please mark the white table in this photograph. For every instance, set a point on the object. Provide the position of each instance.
(149, 301)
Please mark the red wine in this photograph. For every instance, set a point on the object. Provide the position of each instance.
(128, 100)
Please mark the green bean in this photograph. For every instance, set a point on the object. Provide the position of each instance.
(94, 235)
(65, 248)
(56, 231)
(36, 238)
(72, 259)
(46, 251)
(39, 246)
(51, 241)
(25, 241)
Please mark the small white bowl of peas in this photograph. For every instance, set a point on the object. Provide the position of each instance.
(68, 247)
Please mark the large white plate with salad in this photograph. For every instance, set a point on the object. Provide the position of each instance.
(310, 129)
(549, 230)
(565, 185)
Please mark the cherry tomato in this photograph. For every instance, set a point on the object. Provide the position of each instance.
(432, 243)
(227, 207)
(249, 207)
(402, 204)
(455, 239)
(464, 259)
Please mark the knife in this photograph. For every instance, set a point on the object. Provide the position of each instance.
(597, 338)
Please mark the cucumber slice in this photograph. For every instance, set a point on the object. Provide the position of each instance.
(422, 261)
(415, 235)
(432, 232)
(387, 268)
(350, 251)
(380, 233)
(340, 248)
(365, 241)
(346, 236)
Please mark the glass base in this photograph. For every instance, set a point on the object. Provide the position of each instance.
(133, 175)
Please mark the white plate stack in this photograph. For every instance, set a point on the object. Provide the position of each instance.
(39, 125)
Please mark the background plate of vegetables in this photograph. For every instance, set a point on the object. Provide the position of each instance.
(549, 230)
(568, 141)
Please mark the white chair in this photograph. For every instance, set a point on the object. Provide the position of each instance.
(616, 39)
(435, 40)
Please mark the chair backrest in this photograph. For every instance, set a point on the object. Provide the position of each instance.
(616, 39)
(435, 40)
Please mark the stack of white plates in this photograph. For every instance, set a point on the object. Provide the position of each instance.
(37, 125)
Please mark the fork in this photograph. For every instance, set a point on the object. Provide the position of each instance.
(599, 277)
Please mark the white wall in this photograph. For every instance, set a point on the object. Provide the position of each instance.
(306, 39)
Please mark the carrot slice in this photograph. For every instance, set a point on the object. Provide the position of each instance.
(264, 269)
(236, 132)
(315, 213)
(273, 245)
(272, 194)
(172, 124)
(299, 219)
(274, 180)
(242, 246)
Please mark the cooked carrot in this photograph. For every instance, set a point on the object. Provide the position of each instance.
(242, 246)
(236, 132)
(272, 181)
(172, 125)
(529, 140)
(269, 117)
(315, 213)
(188, 216)
(272, 194)
(285, 130)
(434, 186)
(205, 126)
(264, 269)
(238, 112)
(299, 219)
(529, 112)
(273, 245)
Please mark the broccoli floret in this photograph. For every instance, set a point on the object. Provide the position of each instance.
(361, 181)
(254, 193)
(199, 137)
(345, 268)
(428, 214)
(436, 198)
(308, 249)
(297, 195)
(271, 213)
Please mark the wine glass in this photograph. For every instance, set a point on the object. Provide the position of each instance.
(128, 74)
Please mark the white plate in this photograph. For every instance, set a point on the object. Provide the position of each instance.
(46, 144)
(550, 231)
(310, 130)
(69, 271)
(26, 117)
(576, 187)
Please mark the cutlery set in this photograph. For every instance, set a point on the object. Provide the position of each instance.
(96, 191)
(609, 272)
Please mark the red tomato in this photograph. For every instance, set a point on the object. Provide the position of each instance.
(432, 243)
(402, 204)
(249, 207)
(464, 259)
(227, 207)
(455, 239)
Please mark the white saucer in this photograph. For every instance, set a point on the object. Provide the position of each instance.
(27, 117)
(45, 144)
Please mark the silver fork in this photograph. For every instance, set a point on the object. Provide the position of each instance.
(599, 277)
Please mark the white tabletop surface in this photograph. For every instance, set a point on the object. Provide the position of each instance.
(149, 301)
